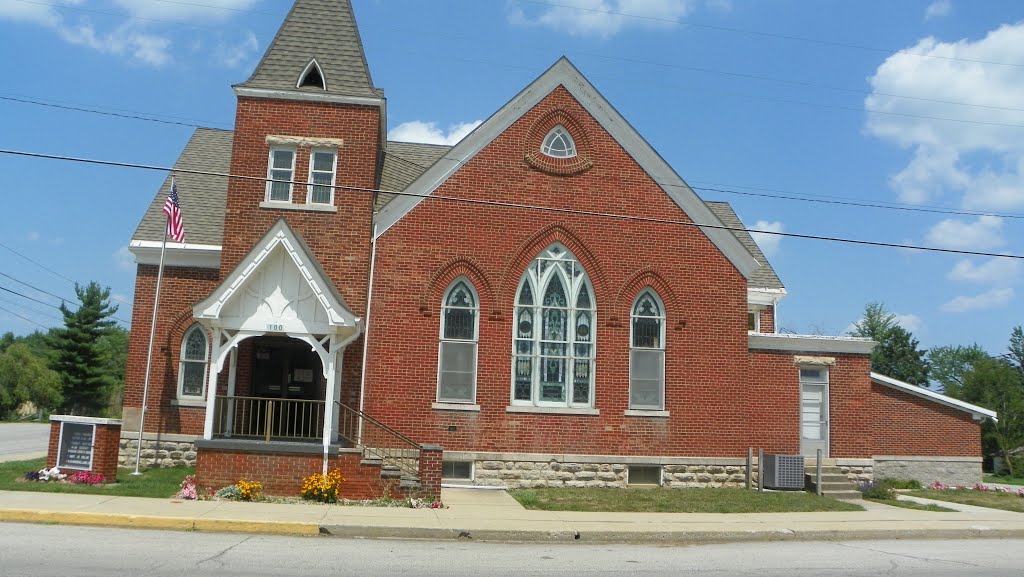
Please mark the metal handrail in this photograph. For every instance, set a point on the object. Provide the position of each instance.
(379, 440)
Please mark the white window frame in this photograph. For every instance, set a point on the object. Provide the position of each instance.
(472, 471)
(757, 320)
(182, 360)
(271, 169)
(305, 72)
(334, 174)
(475, 340)
(661, 346)
(545, 144)
(538, 283)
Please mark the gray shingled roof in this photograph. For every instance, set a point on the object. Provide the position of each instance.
(201, 197)
(765, 276)
(325, 30)
(403, 163)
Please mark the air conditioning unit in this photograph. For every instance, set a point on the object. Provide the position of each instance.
(783, 471)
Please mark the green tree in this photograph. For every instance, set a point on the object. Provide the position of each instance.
(1016, 353)
(995, 383)
(78, 355)
(25, 378)
(897, 354)
(950, 365)
(114, 352)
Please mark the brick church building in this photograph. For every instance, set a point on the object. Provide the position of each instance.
(481, 313)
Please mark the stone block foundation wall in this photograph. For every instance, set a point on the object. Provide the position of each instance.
(926, 470)
(176, 451)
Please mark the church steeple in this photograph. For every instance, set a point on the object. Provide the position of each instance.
(317, 50)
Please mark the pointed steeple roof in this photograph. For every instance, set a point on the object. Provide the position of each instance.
(323, 31)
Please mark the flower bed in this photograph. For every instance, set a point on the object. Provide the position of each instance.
(937, 486)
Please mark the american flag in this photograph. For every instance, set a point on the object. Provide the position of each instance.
(175, 228)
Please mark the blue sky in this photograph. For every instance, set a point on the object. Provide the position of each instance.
(913, 104)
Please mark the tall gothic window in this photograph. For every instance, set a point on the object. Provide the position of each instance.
(647, 353)
(460, 327)
(553, 333)
(195, 355)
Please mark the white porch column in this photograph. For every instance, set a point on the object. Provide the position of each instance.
(232, 379)
(336, 412)
(211, 384)
(330, 372)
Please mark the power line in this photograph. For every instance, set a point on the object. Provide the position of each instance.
(60, 298)
(28, 308)
(132, 116)
(500, 204)
(24, 318)
(51, 271)
(769, 34)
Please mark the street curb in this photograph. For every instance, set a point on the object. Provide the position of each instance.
(658, 537)
(162, 523)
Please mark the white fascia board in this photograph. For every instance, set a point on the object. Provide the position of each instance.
(307, 96)
(563, 73)
(765, 296)
(976, 411)
(177, 254)
(809, 343)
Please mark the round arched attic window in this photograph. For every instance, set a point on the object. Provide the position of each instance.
(558, 143)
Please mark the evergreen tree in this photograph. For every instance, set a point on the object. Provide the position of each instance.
(78, 356)
(897, 354)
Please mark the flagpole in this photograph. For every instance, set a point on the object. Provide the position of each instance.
(149, 352)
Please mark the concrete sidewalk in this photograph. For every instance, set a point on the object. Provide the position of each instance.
(487, 515)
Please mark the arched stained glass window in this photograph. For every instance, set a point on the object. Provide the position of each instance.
(647, 353)
(192, 367)
(553, 362)
(559, 143)
(456, 371)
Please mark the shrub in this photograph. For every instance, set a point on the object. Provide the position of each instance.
(189, 489)
(86, 478)
(913, 484)
(322, 487)
(249, 490)
(877, 490)
(230, 493)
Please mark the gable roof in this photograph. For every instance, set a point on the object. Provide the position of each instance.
(201, 197)
(404, 162)
(324, 30)
(564, 74)
(977, 412)
(765, 276)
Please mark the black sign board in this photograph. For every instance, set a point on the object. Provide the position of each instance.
(75, 451)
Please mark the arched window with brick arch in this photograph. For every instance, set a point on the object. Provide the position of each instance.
(647, 352)
(460, 333)
(195, 357)
(554, 333)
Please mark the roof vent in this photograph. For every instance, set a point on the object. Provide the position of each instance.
(312, 76)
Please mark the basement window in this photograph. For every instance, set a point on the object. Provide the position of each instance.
(643, 475)
(457, 470)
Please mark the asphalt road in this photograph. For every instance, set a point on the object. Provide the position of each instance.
(19, 441)
(101, 552)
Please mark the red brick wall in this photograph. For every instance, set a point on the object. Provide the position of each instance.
(767, 319)
(773, 414)
(705, 298)
(905, 424)
(182, 287)
(849, 386)
(282, 473)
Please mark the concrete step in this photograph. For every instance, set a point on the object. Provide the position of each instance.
(390, 472)
(850, 495)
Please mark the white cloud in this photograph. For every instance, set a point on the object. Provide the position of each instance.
(233, 55)
(938, 8)
(984, 233)
(125, 259)
(769, 243)
(988, 300)
(606, 18)
(995, 271)
(429, 133)
(978, 162)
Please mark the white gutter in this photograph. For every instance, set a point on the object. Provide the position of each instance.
(366, 330)
(977, 412)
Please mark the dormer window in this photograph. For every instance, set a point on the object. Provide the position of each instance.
(558, 143)
(312, 76)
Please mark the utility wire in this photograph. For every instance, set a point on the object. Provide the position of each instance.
(768, 34)
(499, 204)
(28, 308)
(24, 318)
(51, 271)
(132, 116)
(62, 299)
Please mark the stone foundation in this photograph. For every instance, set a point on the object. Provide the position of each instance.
(857, 470)
(926, 470)
(157, 452)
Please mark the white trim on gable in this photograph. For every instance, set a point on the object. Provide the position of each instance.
(305, 72)
(266, 304)
(765, 296)
(563, 73)
(977, 412)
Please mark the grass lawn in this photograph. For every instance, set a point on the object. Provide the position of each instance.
(664, 500)
(162, 483)
(1007, 501)
(1004, 480)
(912, 505)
